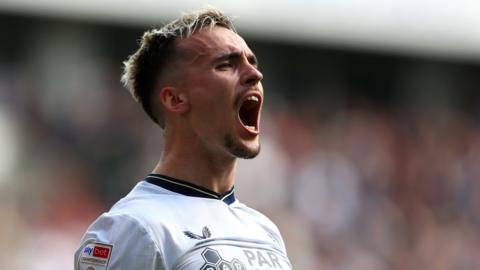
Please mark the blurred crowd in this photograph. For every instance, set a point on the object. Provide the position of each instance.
(358, 186)
(368, 188)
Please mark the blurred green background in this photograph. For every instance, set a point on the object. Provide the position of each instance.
(370, 133)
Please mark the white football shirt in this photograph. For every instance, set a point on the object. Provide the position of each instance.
(165, 223)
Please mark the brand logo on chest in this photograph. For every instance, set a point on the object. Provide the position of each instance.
(205, 234)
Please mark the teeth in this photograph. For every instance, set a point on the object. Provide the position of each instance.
(253, 98)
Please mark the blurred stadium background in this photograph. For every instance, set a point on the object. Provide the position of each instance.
(371, 136)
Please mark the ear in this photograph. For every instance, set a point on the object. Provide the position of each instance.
(174, 100)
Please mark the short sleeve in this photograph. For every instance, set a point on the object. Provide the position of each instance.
(117, 242)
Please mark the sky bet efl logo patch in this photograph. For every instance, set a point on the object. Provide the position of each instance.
(95, 256)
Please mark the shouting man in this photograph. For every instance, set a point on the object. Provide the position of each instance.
(199, 81)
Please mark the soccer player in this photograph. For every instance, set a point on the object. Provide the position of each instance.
(199, 81)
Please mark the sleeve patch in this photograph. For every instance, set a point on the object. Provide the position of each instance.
(94, 256)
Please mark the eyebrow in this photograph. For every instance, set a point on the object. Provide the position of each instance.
(235, 56)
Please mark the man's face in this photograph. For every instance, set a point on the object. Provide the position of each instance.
(224, 91)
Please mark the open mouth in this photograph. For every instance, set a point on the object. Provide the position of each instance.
(249, 112)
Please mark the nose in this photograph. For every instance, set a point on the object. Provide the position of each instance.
(251, 75)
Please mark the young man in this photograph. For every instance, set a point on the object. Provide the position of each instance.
(199, 81)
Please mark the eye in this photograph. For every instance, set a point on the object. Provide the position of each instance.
(224, 65)
(253, 61)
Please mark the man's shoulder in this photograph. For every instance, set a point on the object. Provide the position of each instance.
(255, 214)
(265, 222)
(137, 221)
(144, 203)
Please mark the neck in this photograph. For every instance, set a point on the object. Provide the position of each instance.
(193, 163)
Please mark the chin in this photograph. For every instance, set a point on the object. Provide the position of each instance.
(240, 149)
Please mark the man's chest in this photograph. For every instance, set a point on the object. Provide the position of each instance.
(226, 241)
(232, 254)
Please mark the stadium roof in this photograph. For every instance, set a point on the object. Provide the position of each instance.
(439, 28)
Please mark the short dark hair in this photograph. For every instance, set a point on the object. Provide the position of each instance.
(143, 68)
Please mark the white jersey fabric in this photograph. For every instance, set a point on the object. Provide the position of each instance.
(165, 223)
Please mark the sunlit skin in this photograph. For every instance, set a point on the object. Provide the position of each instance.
(203, 134)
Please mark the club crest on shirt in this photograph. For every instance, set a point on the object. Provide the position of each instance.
(205, 234)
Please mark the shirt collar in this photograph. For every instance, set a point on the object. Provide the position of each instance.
(189, 189)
